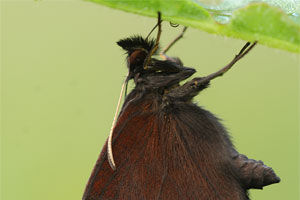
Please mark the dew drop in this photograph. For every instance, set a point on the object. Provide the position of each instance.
(222, 19)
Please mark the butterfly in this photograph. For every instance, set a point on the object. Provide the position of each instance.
(164, 146)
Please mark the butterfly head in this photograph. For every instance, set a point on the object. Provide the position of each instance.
(137, 49)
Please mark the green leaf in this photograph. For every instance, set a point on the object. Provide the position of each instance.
(276, 25)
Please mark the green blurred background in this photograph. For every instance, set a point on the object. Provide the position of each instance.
(61, 76)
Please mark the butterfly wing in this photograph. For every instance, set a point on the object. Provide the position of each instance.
(131, 136)
(165, 155)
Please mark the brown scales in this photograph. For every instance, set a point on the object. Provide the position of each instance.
(166, 147)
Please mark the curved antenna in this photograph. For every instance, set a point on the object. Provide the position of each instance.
(110, 156)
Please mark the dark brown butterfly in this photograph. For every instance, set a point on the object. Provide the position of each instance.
(164, 145)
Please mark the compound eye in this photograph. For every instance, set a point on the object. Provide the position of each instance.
(137, 57)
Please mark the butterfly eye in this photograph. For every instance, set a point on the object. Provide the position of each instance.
(137, 57)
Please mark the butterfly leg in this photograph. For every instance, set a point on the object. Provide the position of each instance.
(188, 90)
(193, 87)
(156, 81)
(164, 51)
(154, 49)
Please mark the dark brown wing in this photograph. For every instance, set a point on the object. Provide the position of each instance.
(177, 154)
(132, 134)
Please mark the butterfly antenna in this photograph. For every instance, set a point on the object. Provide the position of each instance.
(110, 156)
